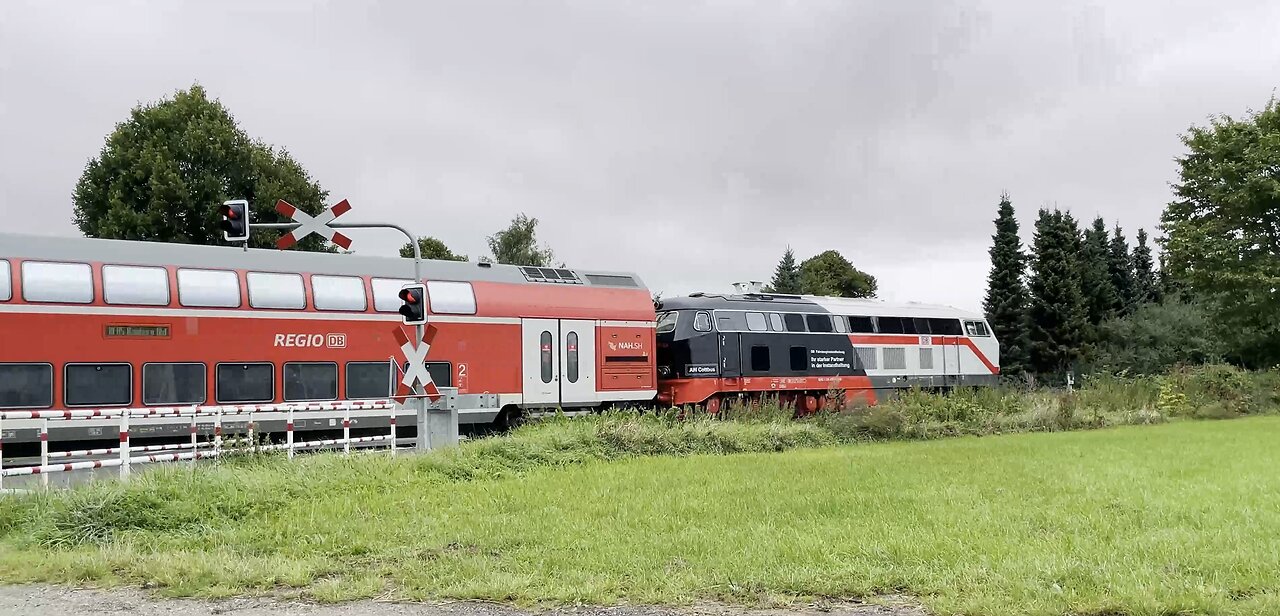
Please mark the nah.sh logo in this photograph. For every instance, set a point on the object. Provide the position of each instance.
(625, 346)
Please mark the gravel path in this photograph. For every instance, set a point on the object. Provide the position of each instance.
(62, 601)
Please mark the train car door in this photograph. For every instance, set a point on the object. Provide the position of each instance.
(950, 360)
(540, 341)
(730, 355)
(577, 362)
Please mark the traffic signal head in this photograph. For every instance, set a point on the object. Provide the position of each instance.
(235, 220)
(414, 307)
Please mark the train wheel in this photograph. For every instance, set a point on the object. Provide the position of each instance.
(713, 405)
(809, 404)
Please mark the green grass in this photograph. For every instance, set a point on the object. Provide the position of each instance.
(1180, 518)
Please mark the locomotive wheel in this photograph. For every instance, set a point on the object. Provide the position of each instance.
(713, 405)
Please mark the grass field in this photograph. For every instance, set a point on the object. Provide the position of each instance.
(1181, 518)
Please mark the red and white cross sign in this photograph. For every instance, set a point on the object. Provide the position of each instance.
(318, 224)
(417, 370)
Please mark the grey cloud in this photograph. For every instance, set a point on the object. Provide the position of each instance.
(703, 137)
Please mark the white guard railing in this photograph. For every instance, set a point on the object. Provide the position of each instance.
(192, 450)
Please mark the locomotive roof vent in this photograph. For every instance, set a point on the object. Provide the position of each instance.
(550, 274)
(750, 287)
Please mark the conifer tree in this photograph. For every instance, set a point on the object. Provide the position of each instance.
(1005, 304)
(1101, 298)
(1057, 311)
(1146, 287)
(786, 277)
(1120, 264)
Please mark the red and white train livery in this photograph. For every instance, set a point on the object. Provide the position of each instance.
(109, 323)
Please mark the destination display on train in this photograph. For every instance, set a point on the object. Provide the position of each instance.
(137, 331)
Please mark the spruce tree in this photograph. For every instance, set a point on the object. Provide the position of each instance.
(1121, 267)
(1005, 304)
(1146, 287)
(786, 277)
(1057, 311)
(1101, 298)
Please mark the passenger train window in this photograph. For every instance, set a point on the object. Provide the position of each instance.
(69, 283)
(280, 291)
(338, 293)
(818, 322)
(450, 297)
(794, 322)
(386, 293)
(173, 383)
(238, 383)
(760, 358)
(702, 322)
(799, 358)
(147, 286)
(731, 321)
(861, 325)
(775, 322)
(97, 384)
(921, 325)
(945, 327)
(305, 381)
(544, 346)
(571, 356)
(26, 386)
(842, 324)
(208, 288)
(889, 325)
(976, 328)
(909, 326)
(6, 282)
(368, 379)
(667, 322)
(756, 322)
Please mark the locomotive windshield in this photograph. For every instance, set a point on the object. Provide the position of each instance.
(667, 322)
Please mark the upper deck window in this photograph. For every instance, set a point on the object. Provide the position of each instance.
(282, 291)
(68, 283)
(147, 286)
(794, 322)
(756, 322)
(386, 293)
(946, 327)
(861, 325)
(6, 282)
(775, 322)
(338, 293)
(450, 297)
(667, 322)
(818, 322)
(208, 288)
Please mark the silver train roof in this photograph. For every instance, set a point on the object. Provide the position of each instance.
(130, 252)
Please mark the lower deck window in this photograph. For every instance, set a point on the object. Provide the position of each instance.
(98, 384)
(310, 381)
(368, 379)
(25, 386)
(173, 383)
(246, 383)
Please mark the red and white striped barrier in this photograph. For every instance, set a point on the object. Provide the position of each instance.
(192, 450)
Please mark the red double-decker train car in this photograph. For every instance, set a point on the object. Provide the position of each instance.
(94, 323)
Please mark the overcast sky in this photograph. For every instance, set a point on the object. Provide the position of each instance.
(699, 138)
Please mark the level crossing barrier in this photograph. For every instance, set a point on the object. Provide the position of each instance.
(127, 455)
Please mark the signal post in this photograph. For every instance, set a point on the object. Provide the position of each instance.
(436, 428)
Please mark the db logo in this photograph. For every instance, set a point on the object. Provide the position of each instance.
(336, 341)
(333, 341)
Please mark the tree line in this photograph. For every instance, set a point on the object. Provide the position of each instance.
(1080, 300)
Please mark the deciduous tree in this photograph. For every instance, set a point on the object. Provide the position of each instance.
(431, 248)
(166, 168)
(829, 273)
(518, 244)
